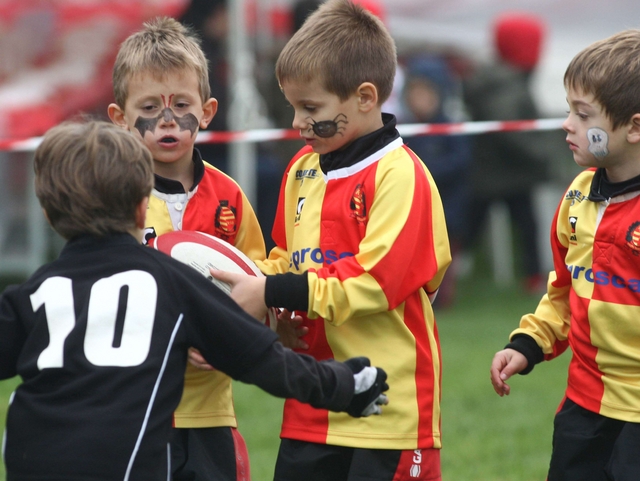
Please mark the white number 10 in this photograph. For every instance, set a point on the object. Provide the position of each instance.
(56, 294)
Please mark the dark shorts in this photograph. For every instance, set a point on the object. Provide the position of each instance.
(303, 461)
(209, 454)
(591, 447)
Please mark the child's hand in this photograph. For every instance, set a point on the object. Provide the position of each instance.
(246, 290)
(290, 330)
(370, 386)
(505, 364)
(196, 360)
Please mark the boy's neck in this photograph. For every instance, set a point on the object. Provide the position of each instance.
(374, 121)
(622, 174)
(182, 172)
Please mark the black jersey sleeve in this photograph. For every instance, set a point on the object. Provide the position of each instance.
(12, 336)
(284, 373)
(229, 339)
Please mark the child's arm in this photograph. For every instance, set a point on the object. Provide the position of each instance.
(247, 291)
(505, 364)
(250, 239)
(353, 387)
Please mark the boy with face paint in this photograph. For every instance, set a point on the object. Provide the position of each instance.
(361, 250)
(162, 94)
(593, 299)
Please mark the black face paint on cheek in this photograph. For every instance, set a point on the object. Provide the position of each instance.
(329, 128)
(144, 125)
(187, 122)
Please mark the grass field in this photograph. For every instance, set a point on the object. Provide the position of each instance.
(485, 437)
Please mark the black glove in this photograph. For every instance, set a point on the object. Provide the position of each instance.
(370, 383)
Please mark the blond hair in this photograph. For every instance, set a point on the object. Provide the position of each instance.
(90, 176)
(163, 45)
(610, 71)
(342, 45)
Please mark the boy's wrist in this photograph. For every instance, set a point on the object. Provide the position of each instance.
(528, 347)
(289, 291)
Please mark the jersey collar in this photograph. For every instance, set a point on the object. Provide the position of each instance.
(362, 147)
(171, 186)
(602, 189)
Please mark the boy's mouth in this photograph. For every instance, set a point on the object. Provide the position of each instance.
(168, 140)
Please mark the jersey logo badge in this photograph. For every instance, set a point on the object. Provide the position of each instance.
(633, 238)
(575, 196)
(299, 207)
(414, 471)
(573, 221)
(306, 174)
(357, 205)
(148, 234)
(225, 221)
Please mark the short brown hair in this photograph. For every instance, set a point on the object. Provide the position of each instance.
(90, 177)
(163, 45)
(342, 45)
(610, 71)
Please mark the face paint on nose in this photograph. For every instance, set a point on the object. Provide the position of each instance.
(186, 122)
(598, 142)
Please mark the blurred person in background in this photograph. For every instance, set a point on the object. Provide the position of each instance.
(429, 85)
(508, 165)
(209, 18)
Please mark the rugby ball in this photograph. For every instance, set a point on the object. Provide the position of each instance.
(203, 252)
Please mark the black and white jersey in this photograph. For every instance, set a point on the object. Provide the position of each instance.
(100, 338)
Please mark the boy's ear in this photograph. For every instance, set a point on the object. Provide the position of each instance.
(367, 94)
(116, 114)
(209, 108)
(633, 135)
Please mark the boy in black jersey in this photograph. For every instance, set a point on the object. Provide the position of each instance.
(100, 335)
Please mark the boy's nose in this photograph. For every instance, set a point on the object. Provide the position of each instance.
(299, 123)
(566, 125)
(167, 115)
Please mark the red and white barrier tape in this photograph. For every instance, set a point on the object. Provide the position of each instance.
(406, 130)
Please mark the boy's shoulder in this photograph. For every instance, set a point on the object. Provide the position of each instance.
(218, 180)
(112, 254)
(585, 178)
(305, 164)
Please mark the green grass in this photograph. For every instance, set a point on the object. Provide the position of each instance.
(485, 437)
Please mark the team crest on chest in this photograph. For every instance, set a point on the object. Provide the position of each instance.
(225, 221)
(357, 205)
(633, 238)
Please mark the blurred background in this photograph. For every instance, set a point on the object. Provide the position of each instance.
(56, 58)
(459, 61)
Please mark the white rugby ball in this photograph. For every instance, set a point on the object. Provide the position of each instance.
(203, 252)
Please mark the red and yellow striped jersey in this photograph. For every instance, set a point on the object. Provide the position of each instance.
(373, 240)
(593, 299)
(217, 206)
